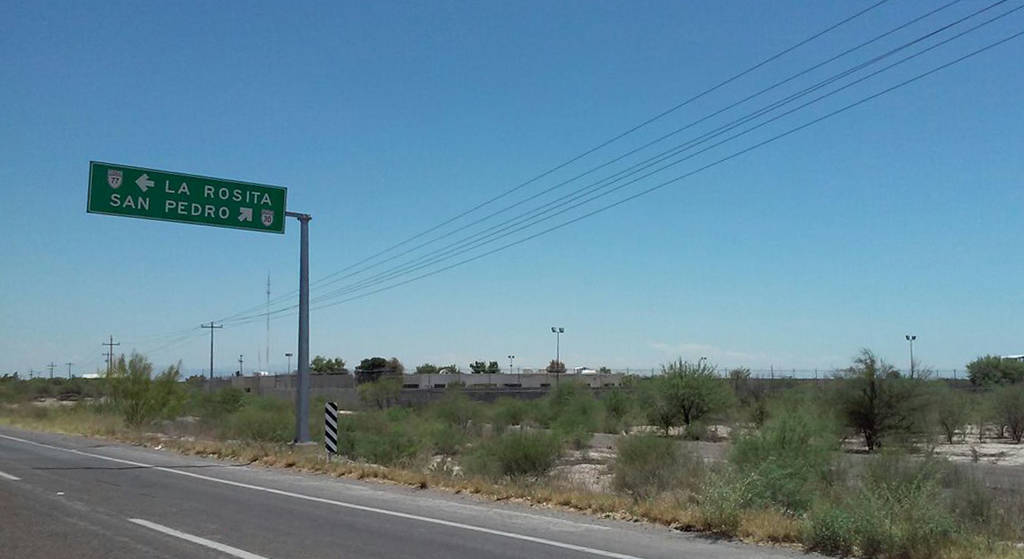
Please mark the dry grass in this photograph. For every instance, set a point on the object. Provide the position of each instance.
(768, 525)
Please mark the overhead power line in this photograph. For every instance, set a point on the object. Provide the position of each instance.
(661, 185)
(583, 154)
(476, 242)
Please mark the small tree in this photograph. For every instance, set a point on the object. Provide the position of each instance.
(686, 393)
(992, 369)
(876, 401)
(452, 369)
(372, 368)
(478, 367)
(396, 366)
(1009, 404)
(493, 368)
(140, 397)
(556, 367)
(382, 393)
(326, 366)
(952, 411)
(426, 369)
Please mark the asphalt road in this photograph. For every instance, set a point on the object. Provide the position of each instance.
(69, 496)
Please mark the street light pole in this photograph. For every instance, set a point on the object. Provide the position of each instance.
(911, 338)
(289, 356)
(302, 385)
(519, 378)
(558, 330)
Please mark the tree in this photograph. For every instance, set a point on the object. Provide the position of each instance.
(992, 369)
(396, 366)
(1009, 404)
(426, 369)
(876, 402)
(493, 368)
(952, 411)
(687, 392)
(556, 367)
(477, 367)
(452, 369)
(138, 395)
(326, 366)
(604, 371)
(372, 368)
(382, 392)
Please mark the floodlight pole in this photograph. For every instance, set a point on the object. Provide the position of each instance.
(302, 384)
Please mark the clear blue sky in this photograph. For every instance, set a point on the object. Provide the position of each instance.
(383, 119)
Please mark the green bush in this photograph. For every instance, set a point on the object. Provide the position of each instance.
(140, 397)
(456, 409)
(789, 460)
(829, 530)
(372, 437)
(686, 393)
(723, 497)
(647, 465)
(261, 420)
(214, 406)
(515, 454)
(506, 412)
(617, 408)
(901, 509)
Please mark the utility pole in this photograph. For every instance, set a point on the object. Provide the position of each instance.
(110, 352)
(268, 321)
(69, 364)
(51, 366)
(302, 386)
(212, 327)
(240, 373)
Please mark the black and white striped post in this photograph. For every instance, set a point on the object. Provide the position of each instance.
(331, 428)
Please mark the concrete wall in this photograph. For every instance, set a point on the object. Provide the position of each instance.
(420, 389)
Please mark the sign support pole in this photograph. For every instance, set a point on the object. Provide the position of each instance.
(302, 385)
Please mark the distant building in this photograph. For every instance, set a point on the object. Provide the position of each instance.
(1014, 357)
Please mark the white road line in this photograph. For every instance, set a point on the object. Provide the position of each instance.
(233, 551)
(469, 527)
(8, 477)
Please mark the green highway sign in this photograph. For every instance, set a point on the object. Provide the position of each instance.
(170, 196)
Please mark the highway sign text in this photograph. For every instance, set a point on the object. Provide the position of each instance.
(170, 196)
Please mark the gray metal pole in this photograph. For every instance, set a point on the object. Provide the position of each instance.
(302, 387)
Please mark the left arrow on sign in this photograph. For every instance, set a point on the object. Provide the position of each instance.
(144, 182)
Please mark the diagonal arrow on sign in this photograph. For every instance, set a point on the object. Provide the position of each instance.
(244, 214)
(144, 182)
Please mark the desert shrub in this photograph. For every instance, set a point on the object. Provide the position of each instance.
(372, 437)
(790, 459)
(140, 397)
(617, 407)
(578, 419)
(380, 393)
(213, 406)
(951, 411)
(443, 438)
(508, 411)
(647, 465)
(901, 511)
(456, 409)
(829, 530)
(515, 454)
(1009, 407)
(722, 498)
(261, 420)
